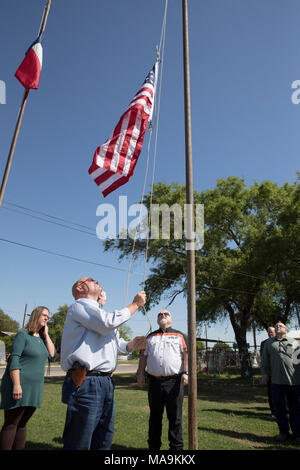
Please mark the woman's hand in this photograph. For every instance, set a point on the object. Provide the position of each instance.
(17, 392)
(44, 331)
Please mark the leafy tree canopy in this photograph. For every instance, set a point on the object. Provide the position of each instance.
(7, 323)
(56, 326)
(248, 268)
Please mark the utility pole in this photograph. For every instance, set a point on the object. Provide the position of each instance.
(24, 317)
(192, 387)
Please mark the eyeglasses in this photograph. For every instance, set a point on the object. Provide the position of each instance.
(163, 313)
(89, 279)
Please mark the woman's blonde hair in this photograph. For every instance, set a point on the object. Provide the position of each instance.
(33, 324)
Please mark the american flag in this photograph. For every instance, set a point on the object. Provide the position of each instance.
(29, 71)
(114, 161)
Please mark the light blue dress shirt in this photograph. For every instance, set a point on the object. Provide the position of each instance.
(90, 336)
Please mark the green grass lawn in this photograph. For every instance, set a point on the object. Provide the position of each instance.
(233, 414)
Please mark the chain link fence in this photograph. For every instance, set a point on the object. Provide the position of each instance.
(214, 361)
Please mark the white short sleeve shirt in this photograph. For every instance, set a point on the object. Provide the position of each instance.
(165, 352)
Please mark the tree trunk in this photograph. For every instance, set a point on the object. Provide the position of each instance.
(245, 358)
(240, 331)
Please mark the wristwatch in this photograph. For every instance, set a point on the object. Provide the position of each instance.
(186, 372)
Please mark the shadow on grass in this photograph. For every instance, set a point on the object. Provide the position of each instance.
(231, 392)
(43, 446)
(40, 446)
(246, 413)
(259, 442)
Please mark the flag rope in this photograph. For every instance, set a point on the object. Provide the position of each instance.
(159, 60)
(162, 45)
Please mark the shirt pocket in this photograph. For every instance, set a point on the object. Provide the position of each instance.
(290, 348)
(173, 346)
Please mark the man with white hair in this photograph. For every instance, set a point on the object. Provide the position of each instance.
(279, 363)
(166, 361)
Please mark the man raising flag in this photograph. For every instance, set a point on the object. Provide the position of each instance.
(114, 161)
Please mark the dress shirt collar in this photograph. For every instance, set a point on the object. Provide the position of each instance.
(283, 339)
(85, 300)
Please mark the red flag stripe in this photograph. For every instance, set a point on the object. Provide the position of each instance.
(115, 185)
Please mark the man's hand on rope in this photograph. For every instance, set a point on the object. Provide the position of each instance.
(139, 342)
(140, 299)
(102, 298)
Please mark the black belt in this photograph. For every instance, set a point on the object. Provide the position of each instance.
(93, 372)
(165, 377)
(98, 372)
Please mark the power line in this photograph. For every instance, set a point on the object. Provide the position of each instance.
(48, 215)
(50, 221)
(92, 233)
(60, 254)
(73, 258)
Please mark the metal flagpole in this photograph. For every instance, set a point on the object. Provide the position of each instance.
(192, 387)
(24, 317)
(20, 116)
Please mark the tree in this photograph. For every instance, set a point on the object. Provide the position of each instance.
(222, 347)
(7, 323)
(56, 326)
(125, 332)
(239, 272)
(200, 346)
(8, 341)
(248, 268)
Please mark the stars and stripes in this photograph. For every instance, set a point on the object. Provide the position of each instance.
(29, 71)
(114, 161)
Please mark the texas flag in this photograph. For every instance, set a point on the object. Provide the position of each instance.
(29, 71)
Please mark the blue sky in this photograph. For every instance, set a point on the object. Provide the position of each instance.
(244, 58)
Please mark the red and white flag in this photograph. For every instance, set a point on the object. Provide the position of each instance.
(114, 161)
(29, 71)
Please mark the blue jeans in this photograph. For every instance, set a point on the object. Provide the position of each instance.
(90, 413)
(290, 394)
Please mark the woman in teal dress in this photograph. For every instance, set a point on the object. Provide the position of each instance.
(23, 381)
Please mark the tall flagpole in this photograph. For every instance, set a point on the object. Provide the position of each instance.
(192, 387)
(20, 115)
